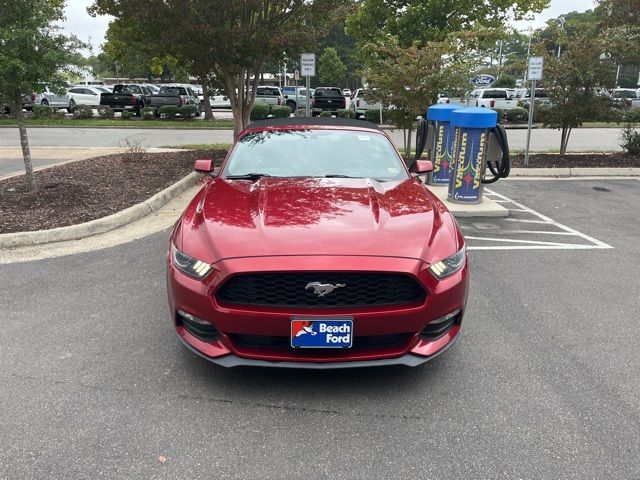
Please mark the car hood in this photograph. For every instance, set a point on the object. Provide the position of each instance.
(319, 216)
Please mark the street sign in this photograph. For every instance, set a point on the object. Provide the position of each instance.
(296, 75)
(483, 80)
(308, 64)
(536, 66)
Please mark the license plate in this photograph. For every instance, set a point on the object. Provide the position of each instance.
(330, 333)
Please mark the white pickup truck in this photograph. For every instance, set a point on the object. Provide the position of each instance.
(496, 98)
(359, 104)
(626, 97)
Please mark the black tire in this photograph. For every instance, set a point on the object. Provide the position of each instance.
(138, 111)
(44, 102)
(72, 106)
(292, 105)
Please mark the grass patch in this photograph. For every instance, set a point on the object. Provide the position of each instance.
(118, 122)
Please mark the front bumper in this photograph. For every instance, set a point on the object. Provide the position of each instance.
(197, 298)
(407, 360)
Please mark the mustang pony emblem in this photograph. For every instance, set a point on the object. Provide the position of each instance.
(321, 289)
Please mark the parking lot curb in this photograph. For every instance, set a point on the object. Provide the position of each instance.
(575, 172)
(100, 225)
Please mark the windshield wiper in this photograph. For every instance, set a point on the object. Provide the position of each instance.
(335, 175)
(349, 176)
(247, 176)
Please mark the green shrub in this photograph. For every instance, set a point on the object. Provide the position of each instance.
(631, 139)
(188, 111)
(326, 114)
(632, 115)
(502, 114)
(373, 115)
(148, 113)
(127, 114)
(517, 114)
(42, 111)
(345, 113)
(168, 111)
(59, 114)
(281, 111)
(259, 111)
(83, 111)
(105, 112)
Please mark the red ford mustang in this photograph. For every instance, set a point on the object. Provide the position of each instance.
(315, 247)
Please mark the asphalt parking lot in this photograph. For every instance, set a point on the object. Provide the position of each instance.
(543, 383)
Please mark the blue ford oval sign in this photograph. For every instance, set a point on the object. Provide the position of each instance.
(483, 80)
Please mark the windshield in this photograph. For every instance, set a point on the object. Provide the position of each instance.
(267, 91)
(316, 153)
(328, 92)
(626, 94)
(175, 91)
(127, 89)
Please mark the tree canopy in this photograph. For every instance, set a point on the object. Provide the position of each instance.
(229, 39)
(331, 70)
(420, 21)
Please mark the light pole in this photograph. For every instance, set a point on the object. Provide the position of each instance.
(562, 20)
(530, 30)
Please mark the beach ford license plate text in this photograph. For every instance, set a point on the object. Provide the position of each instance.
(327, 333)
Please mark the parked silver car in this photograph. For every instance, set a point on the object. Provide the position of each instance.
(51, 99)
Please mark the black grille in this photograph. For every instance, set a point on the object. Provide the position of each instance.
(289, 290)
(372, 341)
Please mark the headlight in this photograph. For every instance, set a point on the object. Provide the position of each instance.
(189, 265)
(449, 265)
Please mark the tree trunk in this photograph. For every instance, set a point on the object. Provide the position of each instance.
(24, 142)
(208, 113)
(564, 141)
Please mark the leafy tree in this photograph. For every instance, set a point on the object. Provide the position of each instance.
(420, 21)
(573, 83)
(434, 67)
(331, 70)
(32, 52)
(346, 47)
(229, 39)
(505, 81)
(620, 20)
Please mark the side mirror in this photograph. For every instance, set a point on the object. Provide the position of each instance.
(422, 166)
(286, 96)
(204, 165)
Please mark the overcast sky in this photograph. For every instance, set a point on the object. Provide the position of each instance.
(92, 30)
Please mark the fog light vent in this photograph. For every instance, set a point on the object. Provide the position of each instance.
(439, 327)
(197, 327)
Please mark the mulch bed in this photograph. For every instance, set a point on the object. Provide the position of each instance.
(88, 189)
(593, 160)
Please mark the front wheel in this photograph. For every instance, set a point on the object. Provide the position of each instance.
(72, 106)
(44, 103)
(292, 105)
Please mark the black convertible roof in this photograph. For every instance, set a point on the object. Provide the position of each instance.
(313, 121)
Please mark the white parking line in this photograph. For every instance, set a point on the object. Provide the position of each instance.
(510, 240)
(568, 246)
(540, 219)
